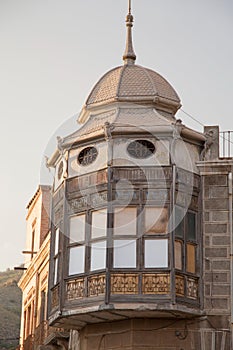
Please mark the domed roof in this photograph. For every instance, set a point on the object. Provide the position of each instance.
(132, 83)
(135, 83)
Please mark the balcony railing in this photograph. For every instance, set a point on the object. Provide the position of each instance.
(226, 144)
(41, 333)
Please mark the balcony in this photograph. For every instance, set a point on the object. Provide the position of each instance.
(43, 335)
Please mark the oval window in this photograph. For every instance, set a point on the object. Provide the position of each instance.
(87, 156)
(141, 149)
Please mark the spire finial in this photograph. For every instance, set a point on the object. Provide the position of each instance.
(129, 7)
(129, 56)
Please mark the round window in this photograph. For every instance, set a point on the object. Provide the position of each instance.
(141, 149)
(87, 156)
(60, 170)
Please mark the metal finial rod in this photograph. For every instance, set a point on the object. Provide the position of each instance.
(129, 7)
(129, 56)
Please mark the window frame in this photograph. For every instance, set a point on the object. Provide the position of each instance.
(186, 241)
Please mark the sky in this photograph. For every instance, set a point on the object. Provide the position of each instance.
(52, 52)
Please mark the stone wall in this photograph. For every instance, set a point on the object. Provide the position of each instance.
(152, 334)
(216, 244)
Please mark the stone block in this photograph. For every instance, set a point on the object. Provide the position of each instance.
(207, 241)
(217, 303)
(216, 252)
(216, 180)
(217, 277)
(207, 265)
(220, 289)
(206, 216)
(218, 192)
(221, 264)
(221, 240)
(207, 289)
(217, 204)
(215, 228)
(219, 216)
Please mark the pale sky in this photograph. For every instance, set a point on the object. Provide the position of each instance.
(52, 52)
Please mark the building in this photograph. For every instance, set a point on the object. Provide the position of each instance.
(34, 282)
(141, 222)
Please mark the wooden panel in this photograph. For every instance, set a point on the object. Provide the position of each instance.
(84, 181)
(96, 285)
(180, 285)
(125, 221)
(124, 283)
(190, 258)
(178, 255)
(156, 283)
(156, 220)
(55, 297)
(58, 196)
(75, 289)
(142, 174)
(192, 288)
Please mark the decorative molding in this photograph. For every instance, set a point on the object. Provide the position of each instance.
(78, 204)
(156, 283)
(58, 214)
(84, 181)
(55, 297)
(99, 198)
(142, 174)
(156, 194)
(124, 283)
(180, 285)
(58, 196)
(192, 288)
(96, 285)
(75, 289)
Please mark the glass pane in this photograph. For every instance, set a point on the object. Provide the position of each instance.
(56, 246)
(156, 220)
(99, 223)
(77, 228)
(55, 271)
(98, 255)
(179, 222)
(76, 260)
(191, 258)
(124, 253)
(125, 221)
(191, 226)
(178, 255)
(156, 253)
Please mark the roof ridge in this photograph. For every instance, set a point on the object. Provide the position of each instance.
(123, 68)
(151, 80)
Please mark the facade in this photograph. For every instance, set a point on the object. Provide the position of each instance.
(141, 223)
(34, 282)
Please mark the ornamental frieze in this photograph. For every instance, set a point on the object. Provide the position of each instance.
(55, 297)
(58, 196)
(124, 283)
(96, 285)
(156, 284)
(180, 285)
(75, 289)
(142, 174)
(58, 215)
(84, 181)
(192, 288)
